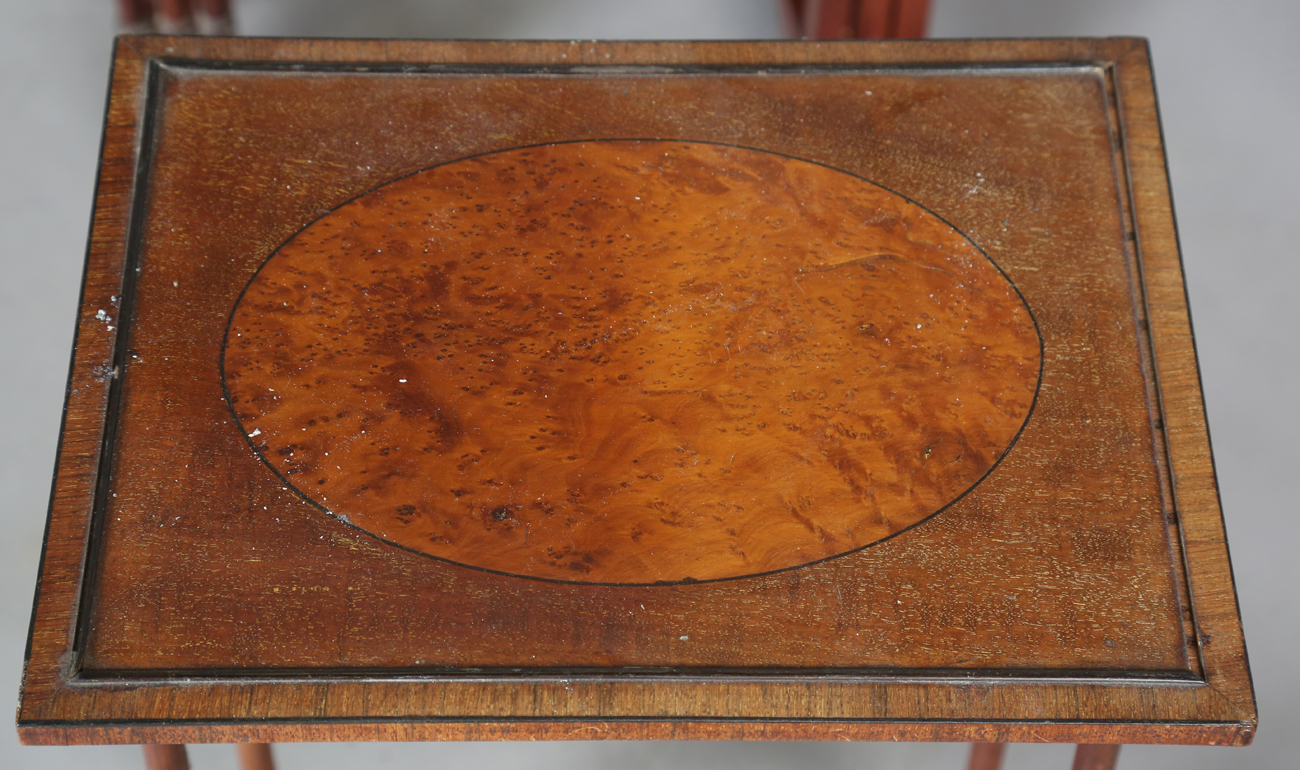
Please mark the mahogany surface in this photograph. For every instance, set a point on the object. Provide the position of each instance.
(255, 756)
(986, 756)
(1096, 756)
(1001, 525)
(166, 756)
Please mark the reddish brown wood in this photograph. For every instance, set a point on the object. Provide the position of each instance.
(875, 19)
(213, 588)
(1121, 567)
(174, 17)
(594, 729)
(255, 756)
(830, 19)
(866, 19)
(1095, 756)
(135, 14)
(175, 11)
(166, 756)
(912, 18)
(792, 15)
(214, 18)
(598, 405)
(986, 756)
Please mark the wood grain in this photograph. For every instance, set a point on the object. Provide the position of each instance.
(1082, 592)
(1073, 513)
(631, 362)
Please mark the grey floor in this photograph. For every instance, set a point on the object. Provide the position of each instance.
(1229, 79)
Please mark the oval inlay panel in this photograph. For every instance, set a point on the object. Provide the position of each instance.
(631, 362)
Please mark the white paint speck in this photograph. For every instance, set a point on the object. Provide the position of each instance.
(256, 432)
(684, 638)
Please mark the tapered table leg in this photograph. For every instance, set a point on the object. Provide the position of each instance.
(986, 756)
(255, 756)
(1096, 756)
(166, 756)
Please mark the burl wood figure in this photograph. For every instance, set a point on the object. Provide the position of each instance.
(631, 362)
(669, 391)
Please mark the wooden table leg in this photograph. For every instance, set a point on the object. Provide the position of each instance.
(986, 756)
(255, 756)
(1096, 756)
(166, 756)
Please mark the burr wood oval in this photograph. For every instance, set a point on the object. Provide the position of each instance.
(631, 362)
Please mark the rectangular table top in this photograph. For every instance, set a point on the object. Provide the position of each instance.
(805, 390)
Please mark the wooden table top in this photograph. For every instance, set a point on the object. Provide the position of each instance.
(634, 390)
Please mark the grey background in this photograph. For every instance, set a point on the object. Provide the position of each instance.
(1229, 80)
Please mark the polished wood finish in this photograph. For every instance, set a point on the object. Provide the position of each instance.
(206, 17)
(865, 19)
(857, 612)
(1080, 592)
(135, 14)
(255, 756)
(1096, 756)
(986, 756)
(707, 362)
(910, 19)
(166, 756)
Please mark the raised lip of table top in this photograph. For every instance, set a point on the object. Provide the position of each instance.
(61, 705)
